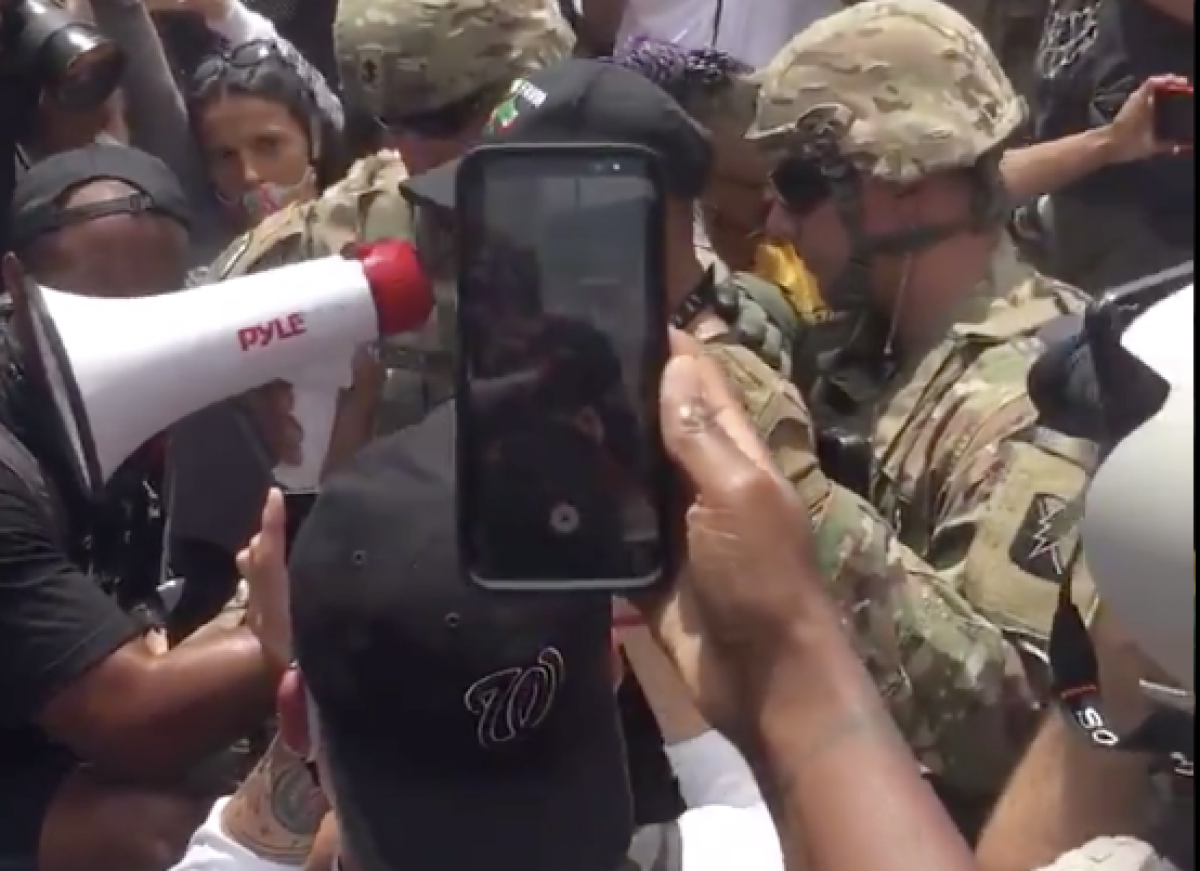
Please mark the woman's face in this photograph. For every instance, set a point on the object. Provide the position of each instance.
(259, 157)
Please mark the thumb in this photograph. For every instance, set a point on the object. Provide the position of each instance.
(244, 561)
(1144, 93)
(274, 526)
(692, 428)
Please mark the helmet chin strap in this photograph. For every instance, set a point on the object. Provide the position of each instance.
(851, 289)
(889, 346)
(851, 293)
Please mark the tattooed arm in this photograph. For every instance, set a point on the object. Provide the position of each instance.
(827, 751)
(277, 811)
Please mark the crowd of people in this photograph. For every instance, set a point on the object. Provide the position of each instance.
(895, 643)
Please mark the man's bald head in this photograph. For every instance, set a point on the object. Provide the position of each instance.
(101, 190)
(120, 252)
(89, 183)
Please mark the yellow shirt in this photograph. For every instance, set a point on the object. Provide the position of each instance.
(779, 263)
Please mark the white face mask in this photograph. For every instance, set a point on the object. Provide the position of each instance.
(268, 197)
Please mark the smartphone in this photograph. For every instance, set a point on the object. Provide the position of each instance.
(1128, 391)
(1175, 114)
(563, 483)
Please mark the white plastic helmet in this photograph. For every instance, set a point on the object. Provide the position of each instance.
(1137, 525)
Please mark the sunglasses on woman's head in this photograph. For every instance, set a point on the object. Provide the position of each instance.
(245, 56)
(253, 53)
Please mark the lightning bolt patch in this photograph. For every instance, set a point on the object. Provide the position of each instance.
(1045, 543)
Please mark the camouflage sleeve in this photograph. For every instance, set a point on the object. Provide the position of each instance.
(949, 677)
(760, 318)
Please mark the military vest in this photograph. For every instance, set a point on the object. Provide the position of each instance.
(932, 434)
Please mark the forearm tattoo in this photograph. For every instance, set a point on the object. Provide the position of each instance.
(277, 811)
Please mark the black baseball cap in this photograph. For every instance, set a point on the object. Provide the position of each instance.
(36, 207)
(464, 729)
(589, 101)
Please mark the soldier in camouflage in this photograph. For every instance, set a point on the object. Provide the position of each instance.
(886, 122)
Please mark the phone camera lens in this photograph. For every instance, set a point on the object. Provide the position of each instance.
(564, 519)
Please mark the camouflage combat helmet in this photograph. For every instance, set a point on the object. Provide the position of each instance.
(400, 58)
(899, 89)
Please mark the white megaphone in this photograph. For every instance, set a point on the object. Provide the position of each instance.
(122, 371)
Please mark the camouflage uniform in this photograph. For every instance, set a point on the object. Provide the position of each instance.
(948, 676)
(398, 58)
(952, 456)
(1013, 29)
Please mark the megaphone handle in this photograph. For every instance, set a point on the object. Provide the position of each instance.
(315, 409)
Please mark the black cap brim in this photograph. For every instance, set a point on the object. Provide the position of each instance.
(579, 818)
(438, 187)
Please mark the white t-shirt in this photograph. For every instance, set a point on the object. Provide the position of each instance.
(211, 849)
(712, 838)
(1112, 854)
(752, 31)
(711, 772)
(726, 828)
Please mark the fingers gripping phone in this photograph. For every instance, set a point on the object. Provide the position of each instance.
(562, 479)
(1175, 114)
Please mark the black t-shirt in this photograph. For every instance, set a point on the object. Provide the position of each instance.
(1133, 42)
(55, 625)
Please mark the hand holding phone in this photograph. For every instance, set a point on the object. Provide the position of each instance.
(1156, 119)
(1175, 114)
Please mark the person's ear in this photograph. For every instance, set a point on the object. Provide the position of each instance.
(316, 143)
(291, 705)
(14, 280)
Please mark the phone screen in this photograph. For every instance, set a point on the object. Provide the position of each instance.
(563, 335)
(1175, 115)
